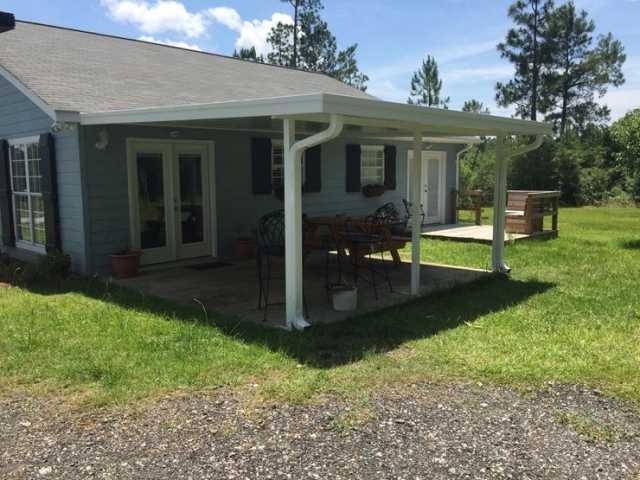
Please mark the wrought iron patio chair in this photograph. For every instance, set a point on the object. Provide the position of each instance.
(407, 208)
(270, 239)
(364, 239)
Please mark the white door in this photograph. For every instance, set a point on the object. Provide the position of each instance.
(169, 192)
(432, 184)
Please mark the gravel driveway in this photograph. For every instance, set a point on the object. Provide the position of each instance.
(429, 432)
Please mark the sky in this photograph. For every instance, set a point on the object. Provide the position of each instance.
(393, 36)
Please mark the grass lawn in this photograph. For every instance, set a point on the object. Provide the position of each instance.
(569, 312)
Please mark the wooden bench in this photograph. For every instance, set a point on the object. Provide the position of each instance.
(526, 211)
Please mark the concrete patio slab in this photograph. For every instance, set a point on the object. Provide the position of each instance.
(233, 289)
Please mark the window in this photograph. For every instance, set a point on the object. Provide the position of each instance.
(26, 193)
(371, 165)
(277, 164)
(267, 167)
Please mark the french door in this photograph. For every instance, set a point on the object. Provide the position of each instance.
(432, 192)
(170, 199)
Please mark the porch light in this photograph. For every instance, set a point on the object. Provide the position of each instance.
(103, 139)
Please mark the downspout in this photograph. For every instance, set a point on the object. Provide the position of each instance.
(468, 147)
(293, 215)
(500, 199)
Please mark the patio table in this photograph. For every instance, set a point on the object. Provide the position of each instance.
(336, 226)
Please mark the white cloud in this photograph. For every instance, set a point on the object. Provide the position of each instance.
(172, 43)
(474, 75)
(252, 33)
(226, 16)
(161, 16)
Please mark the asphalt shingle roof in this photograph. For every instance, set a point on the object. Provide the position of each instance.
(78, 71)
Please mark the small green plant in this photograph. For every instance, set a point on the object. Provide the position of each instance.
(345, 285)
(588, 426)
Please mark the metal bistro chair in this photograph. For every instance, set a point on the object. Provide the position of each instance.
(407, 207)
(363, 239)
(270, 240)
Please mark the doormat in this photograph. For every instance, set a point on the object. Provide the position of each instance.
(209, 266)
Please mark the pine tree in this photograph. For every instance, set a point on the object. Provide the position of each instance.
(308, 44)
(426, 86)
(526, 48)
(474, 106)
(248, 54)
(580, 71)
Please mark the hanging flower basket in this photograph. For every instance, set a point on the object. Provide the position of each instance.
(373, 190)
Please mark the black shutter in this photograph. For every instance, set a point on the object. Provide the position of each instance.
(6, 212)
(261, 166)
(390, 167)
(353, 168)
(49, 192)
(312, 180)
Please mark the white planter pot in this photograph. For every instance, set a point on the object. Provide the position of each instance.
(345, 300)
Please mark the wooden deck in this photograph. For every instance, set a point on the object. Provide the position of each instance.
(477, 233)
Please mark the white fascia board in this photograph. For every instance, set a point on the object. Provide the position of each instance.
(268, 107)
(427, 118)
(359, 111)
(40, 103)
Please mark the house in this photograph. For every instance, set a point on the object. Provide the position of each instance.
(109, 142)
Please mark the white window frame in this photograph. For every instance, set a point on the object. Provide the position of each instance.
(365, 170)
(278, 180)
(19, 243)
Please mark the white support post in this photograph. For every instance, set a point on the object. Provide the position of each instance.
(416, 219)
(499, 207)
(293, 229)
(500, 199)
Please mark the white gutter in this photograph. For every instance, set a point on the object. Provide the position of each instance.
(416, 219)
(293, 215)
(500, 200)
(469, 147)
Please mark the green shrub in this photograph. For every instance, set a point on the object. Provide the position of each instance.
(51, 268)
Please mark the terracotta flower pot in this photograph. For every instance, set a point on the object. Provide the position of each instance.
(125, 264)
(245, 248)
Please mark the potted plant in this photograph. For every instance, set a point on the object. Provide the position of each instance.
(373, 190)
(244, 246)
(344, 297)
(126, 262)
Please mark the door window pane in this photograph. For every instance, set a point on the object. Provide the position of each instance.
(433, 176)
(191, 198)
(151, 201)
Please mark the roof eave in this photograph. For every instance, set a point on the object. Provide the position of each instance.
(356, 110)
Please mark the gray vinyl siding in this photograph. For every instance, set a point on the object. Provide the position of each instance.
(19, 118)
(237, 209)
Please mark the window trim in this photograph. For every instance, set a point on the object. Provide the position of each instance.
(19, 243)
